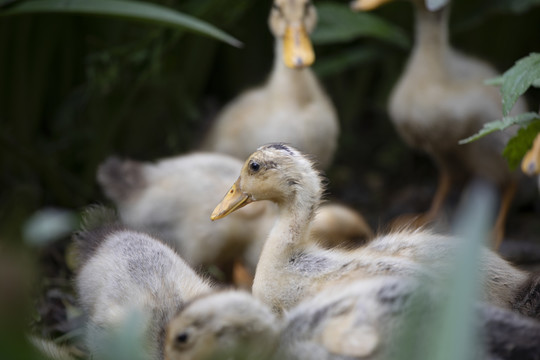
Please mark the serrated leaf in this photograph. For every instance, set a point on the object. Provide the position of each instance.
(337, 24)
(498, 125)
(518, 146)
(518, 79)
(130, 10)
(497, 81)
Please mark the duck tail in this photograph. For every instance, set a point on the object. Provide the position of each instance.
(98, 222)
(120, 178)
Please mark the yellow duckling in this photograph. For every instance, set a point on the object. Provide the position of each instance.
(172, 198)
(292, 267)
(440, 99)
(291, 106)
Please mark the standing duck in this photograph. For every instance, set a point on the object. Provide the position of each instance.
(440, 99)
(293, 267)
(291, 106)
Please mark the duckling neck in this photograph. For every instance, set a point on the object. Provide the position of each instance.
(290, 232)
(288, 237)
(431, 42)
(298, 85)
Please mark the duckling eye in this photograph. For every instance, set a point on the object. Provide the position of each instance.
(182, 338)
(254, 166)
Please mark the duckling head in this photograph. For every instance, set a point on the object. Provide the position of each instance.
(223, 325)
(275, 172)
(293, 21)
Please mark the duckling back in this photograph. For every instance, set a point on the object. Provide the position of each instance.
(174, 198)
(125, 272)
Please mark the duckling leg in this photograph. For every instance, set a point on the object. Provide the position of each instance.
(498, 230)
(241, 276)
(443, 188)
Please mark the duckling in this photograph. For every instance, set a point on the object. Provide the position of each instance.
(292, 267)
(291, 106)
(361, 320)
(123, 272)
(440, 99)
(366, 319)
(173, 197)
(229, 324)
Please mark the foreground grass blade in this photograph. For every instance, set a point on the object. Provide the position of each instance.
(130, 10)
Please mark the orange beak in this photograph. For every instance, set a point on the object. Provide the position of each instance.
(530, 164)
(232, 201)
(297, 49)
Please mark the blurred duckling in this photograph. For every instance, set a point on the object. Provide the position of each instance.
(173, 198)
(440, 99)
(293, 267)
(125, 273)
(291, 106)
(366, 319)
(223, 325)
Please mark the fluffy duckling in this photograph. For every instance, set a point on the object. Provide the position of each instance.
(367, 319)
(226, 325)
(291, 106)
(124, 272)
(173, 197)
(292, 267)
(440, 99)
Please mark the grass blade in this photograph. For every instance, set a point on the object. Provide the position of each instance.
(130, 10)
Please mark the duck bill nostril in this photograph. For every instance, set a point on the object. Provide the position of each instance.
(297, 49)
(232, 201)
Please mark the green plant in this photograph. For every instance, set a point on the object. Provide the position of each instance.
(514, 83)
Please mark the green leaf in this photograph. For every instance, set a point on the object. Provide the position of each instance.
(340, 61)
(130, 10)
(518, 79)
(497, 125)
(518, 146)
(337, 24)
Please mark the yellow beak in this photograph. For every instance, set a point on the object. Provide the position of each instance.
(530, 164)
(232, 201)
(367, 5)
(297, 49)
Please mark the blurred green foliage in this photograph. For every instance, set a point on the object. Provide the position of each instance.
(514, 83)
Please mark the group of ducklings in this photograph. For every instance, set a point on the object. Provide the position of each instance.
(324, 286)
